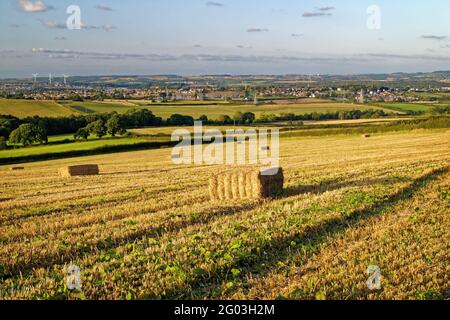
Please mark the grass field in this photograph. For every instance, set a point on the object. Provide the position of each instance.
(213, 111)
(29, 108)
(75, 146)
(416, 107)
(145, 228)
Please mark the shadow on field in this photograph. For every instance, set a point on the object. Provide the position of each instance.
(262, 263)
(204, 216)
(336, 185)
(118, 173)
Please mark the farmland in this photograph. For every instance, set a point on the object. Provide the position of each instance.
(416, 107)
(145, 228)
(80, 146)
(47, 108)
(213, 111)
(30, 108)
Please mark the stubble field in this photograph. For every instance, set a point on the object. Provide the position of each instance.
(145, 228)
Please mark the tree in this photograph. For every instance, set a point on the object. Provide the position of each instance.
(27, 134)
(97, 128)
(4, 132)
(203, 119)
(139, 118)
(224, 119)
(114, 125)
(7, 125)
(237, 117)
(2, 143)
(267, 118)
(180, 120)
(82, 133)
(441, 110)
(248, 118)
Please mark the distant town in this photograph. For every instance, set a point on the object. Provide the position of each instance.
(247, 89)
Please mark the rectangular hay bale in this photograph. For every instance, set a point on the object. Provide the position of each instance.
(17, 168)
(246, 184)
(81, 170)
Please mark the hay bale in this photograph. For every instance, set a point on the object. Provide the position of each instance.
(366, 135)
(246, 184)
(17, 168)
(228, 192)
(82, 170)
(265, 148)
(241, 183)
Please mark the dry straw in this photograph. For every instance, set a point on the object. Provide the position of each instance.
(82, 170)
(246, 184)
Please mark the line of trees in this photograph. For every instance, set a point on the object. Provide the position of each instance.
(33, 130)
(36, 129)
(315, 116)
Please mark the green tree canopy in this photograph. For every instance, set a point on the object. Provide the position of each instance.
(115, 125)
(27, 134)
(223, 118)
(81, 133)
(97, 128)
(248, 118)
(203, 119)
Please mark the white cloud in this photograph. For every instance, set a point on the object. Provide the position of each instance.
(30, 6)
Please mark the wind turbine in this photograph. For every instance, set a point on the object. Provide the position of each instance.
(65, 79)
(35, 77)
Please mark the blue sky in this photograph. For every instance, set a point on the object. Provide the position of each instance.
(189, 37)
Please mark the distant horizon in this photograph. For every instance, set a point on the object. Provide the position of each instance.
(56, 75)
(223, 37)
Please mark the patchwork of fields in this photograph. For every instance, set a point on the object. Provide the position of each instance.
(146, 229)
(213, 111)
(29, 108)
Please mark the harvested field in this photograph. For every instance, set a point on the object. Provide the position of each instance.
(145, 228)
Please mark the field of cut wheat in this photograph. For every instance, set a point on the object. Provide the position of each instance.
(146, 229)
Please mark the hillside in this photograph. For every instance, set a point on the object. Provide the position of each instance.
(30, 108)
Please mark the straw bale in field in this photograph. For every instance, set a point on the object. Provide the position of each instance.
(17, 168)
(366, 135)
(246, 184)
(81, 170)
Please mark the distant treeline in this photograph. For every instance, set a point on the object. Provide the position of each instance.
(315, 116)
(36, 129)
(433, 122)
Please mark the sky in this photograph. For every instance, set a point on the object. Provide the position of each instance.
(196, 37)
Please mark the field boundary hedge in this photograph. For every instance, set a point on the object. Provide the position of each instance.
(91, 152)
